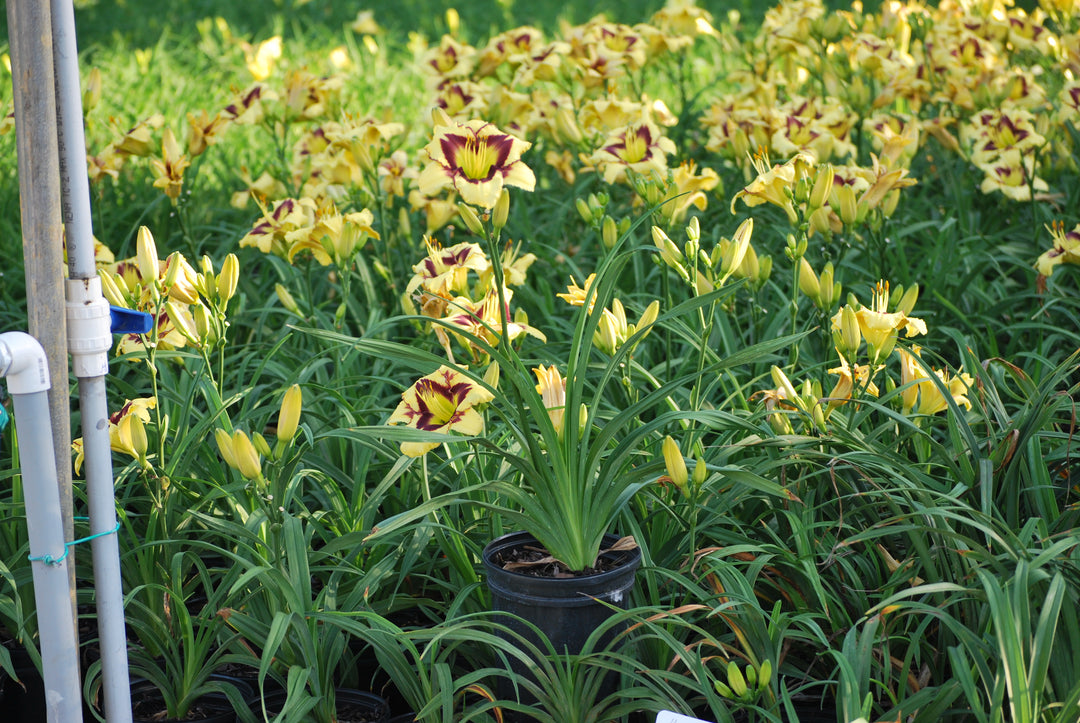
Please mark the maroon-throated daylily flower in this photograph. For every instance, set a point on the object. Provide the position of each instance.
(477, 159)
(440, 402)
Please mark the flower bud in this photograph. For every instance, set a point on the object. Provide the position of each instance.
(183, 322)
(828, 291)
(609, 232)
(784, 384)
(675, 464)
(225, 447)
(228, 278)
(819, 220)
(808, 281)
(247, 459)
(172, 270)
(472, 221)
(892, 200)
(204, 326)
(111, 290)
(502, 210)
(567, 125)
(822, 186)
(669, 252)
(846, 203)
(133, 435)
(734, 255)
(701, 471)
(287, 299)
(648, 317)
(764, 271)
(146, 258)
(261, 445)
(846, 334)
(491, 375)
(693, 229)
(606, 337)
(289, 416)
(584, 211)
(907, 301)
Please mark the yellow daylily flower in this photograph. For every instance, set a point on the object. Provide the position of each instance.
(443, 402)
(261, 60)
(170, 168)
(1066, 249)
(477, 160)
(639, 147)
(444, 271)
(575, 295)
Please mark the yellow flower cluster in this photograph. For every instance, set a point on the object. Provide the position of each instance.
(922, 390)
(188, 306)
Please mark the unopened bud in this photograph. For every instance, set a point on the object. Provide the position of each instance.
(693, 229)
(822, 186)
(846, 203)
(502, 210)
(225, 447)
(182, 322)
(846, 333)
(135, 433)
(675, 464)
(247, 459)
(701, 471)
(289, 416)
(609, 232)
(261, 445)
(491, 375)
(566, 124)
(826, 287)
(907, 301)
(472, 221)
(228, 278)
(287, 299)
(204, 326)
(808, 281)
(146, 257)
(669, 252)
(110, 289)
(783, 384)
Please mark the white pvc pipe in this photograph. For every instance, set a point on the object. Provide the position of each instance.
(23, 363)
(89, 341)
(74, 181)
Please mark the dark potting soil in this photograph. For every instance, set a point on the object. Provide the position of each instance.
(151, 709)
(358, 713)
(537, 561)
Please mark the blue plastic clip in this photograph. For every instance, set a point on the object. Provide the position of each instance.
(128, 321)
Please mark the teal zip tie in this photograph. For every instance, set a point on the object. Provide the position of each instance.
(50, 560)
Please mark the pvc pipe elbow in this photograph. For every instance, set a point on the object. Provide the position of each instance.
(23, 363)
(89, 328)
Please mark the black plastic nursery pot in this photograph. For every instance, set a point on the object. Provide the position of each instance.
(565, 609)
(353, 706)
(211, 708)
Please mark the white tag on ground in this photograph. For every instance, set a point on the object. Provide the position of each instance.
(666, 716)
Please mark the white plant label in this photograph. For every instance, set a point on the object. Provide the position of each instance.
(666, 716)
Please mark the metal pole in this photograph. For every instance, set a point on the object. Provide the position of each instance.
(23, 362)
(30, 38)
(90, 340)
